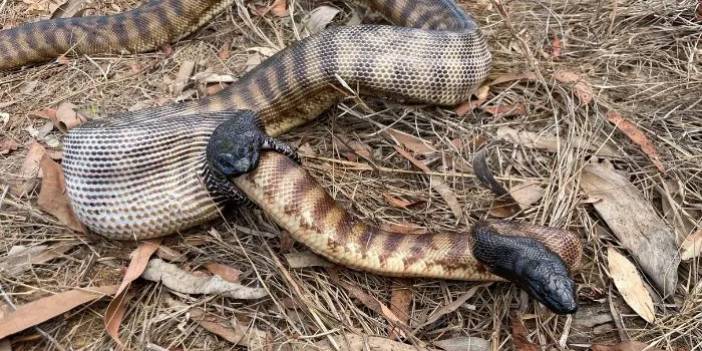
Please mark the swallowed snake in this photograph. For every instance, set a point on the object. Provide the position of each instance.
(154, 172)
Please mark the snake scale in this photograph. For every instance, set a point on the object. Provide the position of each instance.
(150, 173)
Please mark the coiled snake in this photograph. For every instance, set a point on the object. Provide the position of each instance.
(154, 172)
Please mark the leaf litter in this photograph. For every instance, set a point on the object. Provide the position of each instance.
(563, 132)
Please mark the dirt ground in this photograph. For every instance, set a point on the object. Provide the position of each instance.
(642, 59)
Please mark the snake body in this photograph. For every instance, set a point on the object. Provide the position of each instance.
(145, 174)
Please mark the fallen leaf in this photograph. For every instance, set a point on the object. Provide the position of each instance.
(181, 281)
(436, 183)
(228, 329)
(52, 196)
(320, 17)
(39, 311)
(403, 228)
(411, 142)
(556, 47)
(625, 346)
(30, 170)
(638, 137)
(629, 283)
(63, 60)
(227, 273)
(634, 221)
(48, 113)
(400, 301)
(353, 342)
(306, 259)
(519, 335)
(398, 202)
(551, 142)
(18, 261)
(508, 110)
(224, 53)
(279, 8)
(169, 254)
(453, 305)
(691, 247)
(7, 146)
(372, 303)
(117, 307)
(527, 193)
(183, 76)
(470, 105)
(581, 87)
(504, 205)
(510, 77)
(67, 117)
(463, 343)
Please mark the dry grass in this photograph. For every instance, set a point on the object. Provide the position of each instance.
(643, 58)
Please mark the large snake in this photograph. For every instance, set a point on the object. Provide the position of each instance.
(154, 172)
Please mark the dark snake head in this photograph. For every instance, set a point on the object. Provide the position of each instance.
(529, 264)
(235, 145)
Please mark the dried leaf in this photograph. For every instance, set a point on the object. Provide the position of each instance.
(508, 110)
(638, 137)
(227, 273)
(400, 301)
(169, 254)
(398, 202)
(306, 259)
(230, 330)
(691, 247)
(510, 77)
(42, 310)
(470, 105)
(629, 283)
(7, 146)
(551, 142)
(556, 47)
(52, 196)
(183, 76)
(581, 87)
(411, 142)
(454, 305)
(463, 343)
(519, 335)
(527, 193)
(625, 346)
(117, 307)
(436, 183)
(279, 8)
(30, 169)
(181, 281)
(373, 304)
(48, 113)
(320, 17)
(18, 261)
(352, 342)
(67, 117)
(635, 222)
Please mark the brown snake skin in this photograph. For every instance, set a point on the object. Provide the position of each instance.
(143, 174)
(301, 206)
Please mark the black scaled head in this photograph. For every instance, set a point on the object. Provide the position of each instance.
(529, 264)
(235, 145)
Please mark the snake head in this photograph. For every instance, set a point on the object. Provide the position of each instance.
(548, 281)
(530, 265)
(235, 145)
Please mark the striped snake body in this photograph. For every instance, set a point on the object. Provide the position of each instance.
(147, 174)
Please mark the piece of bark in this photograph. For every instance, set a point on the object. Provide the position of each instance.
(635, 223)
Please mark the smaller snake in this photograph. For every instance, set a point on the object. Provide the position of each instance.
(538, 259)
